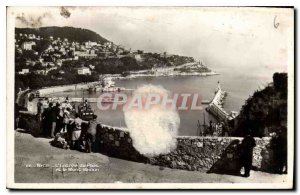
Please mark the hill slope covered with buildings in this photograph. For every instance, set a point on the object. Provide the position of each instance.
(51, 56)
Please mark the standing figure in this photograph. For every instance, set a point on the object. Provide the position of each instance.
(39, 110)
(247, 146)
(53, 116)
(278, 145)
(282, 139)
(210, 128)
(225, 129)
(60, 118)
(17, 115)
(66, 118)
(46, 124)
(76, 131)
(39, 116)
(91, 134)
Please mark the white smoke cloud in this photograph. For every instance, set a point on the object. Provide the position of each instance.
(153, 130)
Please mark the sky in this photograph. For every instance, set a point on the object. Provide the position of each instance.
(254, 41)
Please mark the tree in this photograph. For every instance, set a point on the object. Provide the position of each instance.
(36, 81)
(129, 63)
(42, 45)
(29, 55)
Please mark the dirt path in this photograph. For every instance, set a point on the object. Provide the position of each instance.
(30, 150)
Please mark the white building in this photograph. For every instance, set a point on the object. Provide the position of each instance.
(138, 57)
(92, 67)
(85, 54)
(31, 36)
(61, 72)
(90, 44)
(24, 71)
(75, 57)
(59, 62)
(41, 72)
(84, 71)
(27, 45)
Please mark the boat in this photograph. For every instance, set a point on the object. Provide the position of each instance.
(91, 89)
(112, 89)
(85, 112)
(108, 82)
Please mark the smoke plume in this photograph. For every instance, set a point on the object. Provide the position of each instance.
(153, 130)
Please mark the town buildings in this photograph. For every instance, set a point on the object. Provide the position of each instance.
(84, 71)
(51, 52)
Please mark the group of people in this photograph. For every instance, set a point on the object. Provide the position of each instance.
(216, 129)
(57, 123)
(54, 119)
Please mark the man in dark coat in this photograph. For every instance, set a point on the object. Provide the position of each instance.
(53, 117)
(46, 123)
(247, 146)
(279, 146)
(210, 128)
(282, 137)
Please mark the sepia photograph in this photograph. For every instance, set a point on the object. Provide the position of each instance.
(150, 97)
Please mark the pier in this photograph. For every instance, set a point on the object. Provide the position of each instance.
(215, 107)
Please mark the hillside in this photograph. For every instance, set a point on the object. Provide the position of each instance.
(41, 61)
(266, 111)
(72, 34)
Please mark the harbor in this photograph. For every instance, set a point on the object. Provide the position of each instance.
(106, 84)
(188, 119)
(213, 100)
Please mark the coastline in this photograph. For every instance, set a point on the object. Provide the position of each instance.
(47, 91)
(132, 76)
(83, 86)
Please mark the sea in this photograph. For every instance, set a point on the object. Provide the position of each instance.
(239, 86)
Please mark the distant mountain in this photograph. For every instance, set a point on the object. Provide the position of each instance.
(72, 34)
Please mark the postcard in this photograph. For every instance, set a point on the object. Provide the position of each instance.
(150, 97)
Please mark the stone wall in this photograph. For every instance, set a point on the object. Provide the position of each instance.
(29, 122)
(194, 153)
(117, 142)
(73, 87)
(213, 154)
